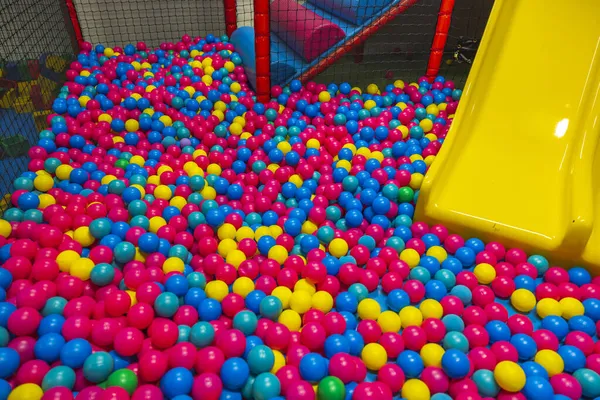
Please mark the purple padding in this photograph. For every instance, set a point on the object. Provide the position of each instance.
(304, 31)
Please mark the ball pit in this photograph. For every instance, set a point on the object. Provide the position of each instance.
(175, 239)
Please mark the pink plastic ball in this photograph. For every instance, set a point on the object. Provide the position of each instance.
(566, 385)
(207, 386)
(392, 376)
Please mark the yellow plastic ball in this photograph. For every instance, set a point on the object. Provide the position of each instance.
(165, 119)
(300, 301)
(291, 319)
(369, 104)
(216, 290)
(132, 296)
(309, 227)
(155, 223)
(275, 230)
(411, 257)
(509, 376)
(5, 228)
(484, 273)
(226, 246)
(416, 180)
(131, 125)
(66, 259)
(411, 316)
(369, 309)
(372, 89)
(437, 252)
(63, 172)
(431, 308)
(374, 356)
(83, 236)
(46, 200)
(551, 361)
(426, 124)
(432, 354)
(82, 268)
(389, 321)
(26, 391)
(338, 247)
(173, 264)
(548, 306)
(236, 129)
(432, 109)
(279, 361)
(208, 193)
(43, 183)
(305, 286)
(399, 84)
(283, 293)
(415, 389)
(245, 232)
(571, 307)
(163, 192)
(322, 301)
(235, 258)
(523, 300)
(324, 96)
(278, 253)
(242, 286)
(226, 231)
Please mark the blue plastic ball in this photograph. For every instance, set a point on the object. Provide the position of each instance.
(313, 367)
(234, 373)
(456, 364)
(176, 381)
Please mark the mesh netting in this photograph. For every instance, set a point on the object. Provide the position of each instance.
(468, 23)
(36, 45)
(117, 22)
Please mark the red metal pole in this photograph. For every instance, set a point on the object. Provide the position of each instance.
(74, 21)
(230, 7)
(345, 47)
(262, 44)
(439, 39)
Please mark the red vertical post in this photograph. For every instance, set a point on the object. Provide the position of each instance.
(439, 38)
(262, 45)
(230, 7)
(74, 21)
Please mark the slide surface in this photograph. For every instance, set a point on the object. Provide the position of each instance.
(520, 161)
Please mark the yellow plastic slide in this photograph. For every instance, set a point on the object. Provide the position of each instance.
(520, 163)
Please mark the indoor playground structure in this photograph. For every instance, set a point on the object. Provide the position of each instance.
(196, 218)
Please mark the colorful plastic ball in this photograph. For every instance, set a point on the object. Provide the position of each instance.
(271, 307)
(331, 388)
(455, 363)
(486, 383)
(266, 386)
(523, 300)
(509, 376)
(566, 385)
(415, 389)
(589, 381)
(313, 367)
(260, 359)
(9, 362)
(572, 357)
(177, 381)
(234, 373)
(374, 356)
(98, 366)
(26, 391)
(411, 363)
(59, 376)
